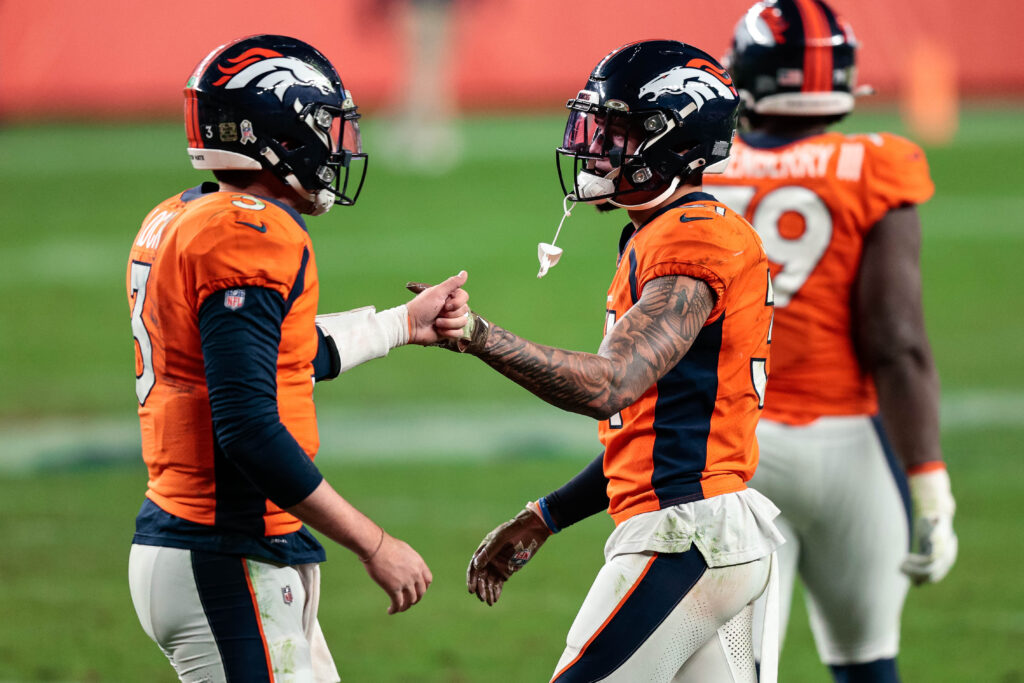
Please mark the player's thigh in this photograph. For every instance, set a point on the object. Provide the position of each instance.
(646, 614)
(790, 470)
(221, 617)
(727, 657)
(850, 560)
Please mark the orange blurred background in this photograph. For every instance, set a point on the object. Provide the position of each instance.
(73, 59)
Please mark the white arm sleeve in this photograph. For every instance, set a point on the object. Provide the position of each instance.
(362, 334)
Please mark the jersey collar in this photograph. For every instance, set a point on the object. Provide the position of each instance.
(628, 231)
(208, 187)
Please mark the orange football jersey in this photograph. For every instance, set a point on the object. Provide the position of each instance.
(813, 201)
(690, 436)
(189, 247)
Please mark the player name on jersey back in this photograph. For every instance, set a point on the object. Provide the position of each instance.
(804, 160)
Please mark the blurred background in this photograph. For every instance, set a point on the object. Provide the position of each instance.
(463, 105)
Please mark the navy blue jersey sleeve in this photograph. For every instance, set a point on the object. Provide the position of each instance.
(327, 364)
(582, 496)
(240, 354)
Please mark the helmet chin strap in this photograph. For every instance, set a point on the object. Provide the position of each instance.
(591, 185)
(672, 187)
(322, 200)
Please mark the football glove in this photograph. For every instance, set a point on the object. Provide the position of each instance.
(505, 551)
(933, 541)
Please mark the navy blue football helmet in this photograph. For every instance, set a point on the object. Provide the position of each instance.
(794, 58)
(653, 115)
(276, 103)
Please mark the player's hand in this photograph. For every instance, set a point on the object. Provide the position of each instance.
(400, 571)
(438, 313)
(933, 542)
(503, 552)
(458, 328)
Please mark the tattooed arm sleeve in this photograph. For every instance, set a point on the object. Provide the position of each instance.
(645, 344)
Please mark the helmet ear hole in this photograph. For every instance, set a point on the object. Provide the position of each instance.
(655, 123)
(642, 175)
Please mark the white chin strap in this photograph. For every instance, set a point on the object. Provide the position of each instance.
(322, 200)
(591, 185)
(672, 187)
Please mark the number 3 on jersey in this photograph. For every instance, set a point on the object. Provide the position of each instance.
(759, 366)
(145, 378)
(795, 227)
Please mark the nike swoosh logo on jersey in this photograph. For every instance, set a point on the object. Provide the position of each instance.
(686, 219)
(258, 228)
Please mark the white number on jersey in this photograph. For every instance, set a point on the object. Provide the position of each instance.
(143, 382)
(759, 366)
(799, 255)
(615, 421)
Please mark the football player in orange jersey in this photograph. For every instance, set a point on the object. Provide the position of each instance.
(222, 287)
(852, 409)
(676, 386)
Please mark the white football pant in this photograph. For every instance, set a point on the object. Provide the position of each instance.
(665, 618)
(845, 516)
(225, 618)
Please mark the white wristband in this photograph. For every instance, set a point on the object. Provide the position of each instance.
(362, 334)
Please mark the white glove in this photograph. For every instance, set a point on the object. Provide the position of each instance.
(933, 542)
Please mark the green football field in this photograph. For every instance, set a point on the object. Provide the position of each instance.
(437, 447)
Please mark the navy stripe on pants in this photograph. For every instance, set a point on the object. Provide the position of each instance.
(224, 592)
(667, 581)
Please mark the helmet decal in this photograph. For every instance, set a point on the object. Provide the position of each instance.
(247, 58)
(713, 69)
(775, 22)
(699, 79)
(247, 134)
(278, 74)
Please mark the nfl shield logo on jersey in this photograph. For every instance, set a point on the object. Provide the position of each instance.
(286, 593)
(234, 298)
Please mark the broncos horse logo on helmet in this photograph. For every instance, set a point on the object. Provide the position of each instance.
(701, 84)
(285, 96)
(274, 71)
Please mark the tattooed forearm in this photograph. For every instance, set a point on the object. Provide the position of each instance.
(645, 344)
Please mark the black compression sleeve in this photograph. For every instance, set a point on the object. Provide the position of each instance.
(327, 364)
(582, 496)
(240, 346)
